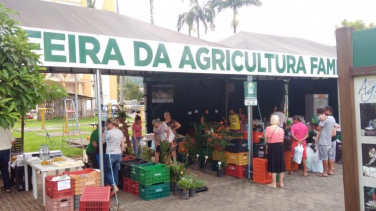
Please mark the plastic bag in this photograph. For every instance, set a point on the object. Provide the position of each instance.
(298, 154)
(317, 163)
(310, 154)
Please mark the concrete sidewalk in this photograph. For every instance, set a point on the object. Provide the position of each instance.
(228, 193)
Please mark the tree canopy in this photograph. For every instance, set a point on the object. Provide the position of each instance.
(131, 90)
(22, 87)
(234, 5)
(358, 25)
(198, 14)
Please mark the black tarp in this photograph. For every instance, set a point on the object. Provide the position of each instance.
(193, 92)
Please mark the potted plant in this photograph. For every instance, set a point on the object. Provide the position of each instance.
(121, 113)
(164, 148)
(200, 185)
(184, 186)
(196, 163)
(221, 169)
(177, 172)
(187, 148)
(146, 153)
(197, 147)
(208, 166)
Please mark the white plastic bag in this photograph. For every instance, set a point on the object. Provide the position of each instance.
(171, 137)
(310, 154)
(298, 154)
(316, 162)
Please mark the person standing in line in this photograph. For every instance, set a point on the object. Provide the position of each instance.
(299, 133)
(276, 158)
(243, 118)
(115, 148)
(234, 122)
(282, 118)
(329, 112)
(174, 125)
(91, 147)
(6, 142)
(325, 143)
(137, 135)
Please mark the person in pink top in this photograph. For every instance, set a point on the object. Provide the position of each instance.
(299, 133)
(276, 158)
(136, 135)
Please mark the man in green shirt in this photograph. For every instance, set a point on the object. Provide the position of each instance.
(90, 149)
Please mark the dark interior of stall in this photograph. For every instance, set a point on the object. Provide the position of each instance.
(194, 92)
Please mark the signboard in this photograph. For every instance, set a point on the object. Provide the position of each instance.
(250, 93)
(162, 94)
(364, 48)
(78, 50)
(365, 113)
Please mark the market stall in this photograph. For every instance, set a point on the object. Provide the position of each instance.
(182, 74)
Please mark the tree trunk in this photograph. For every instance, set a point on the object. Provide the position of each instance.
(151, 12)
(121, 86)
(124, 129)
(198, 29)
(234, 21)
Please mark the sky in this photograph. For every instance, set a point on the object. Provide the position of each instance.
(307, 19)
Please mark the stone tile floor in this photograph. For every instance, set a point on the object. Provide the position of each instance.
(228, 193)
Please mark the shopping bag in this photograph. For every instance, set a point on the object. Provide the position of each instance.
(171, 137)
(298, 154)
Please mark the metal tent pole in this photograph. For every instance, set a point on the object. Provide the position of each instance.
(98, 87)
(76, 99)
(250, 123)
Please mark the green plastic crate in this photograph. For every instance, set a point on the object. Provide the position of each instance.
(150, 175)
(153, 192)
(135, 167)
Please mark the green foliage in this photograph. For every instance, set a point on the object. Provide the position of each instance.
(164, 147)
(131, 90)
(184, 184)
(146, 153)
(195, 182)
(358, 25)
(22, 87)
(130, 151)
(177, 170)
(198, 141)
(234, 5)
(198, 13)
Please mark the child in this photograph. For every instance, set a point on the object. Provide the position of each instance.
(319, 118)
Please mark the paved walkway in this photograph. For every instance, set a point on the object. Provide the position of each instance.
(228, 193)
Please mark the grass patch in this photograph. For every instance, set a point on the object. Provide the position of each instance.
(33, 141)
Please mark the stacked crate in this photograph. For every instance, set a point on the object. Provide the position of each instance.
(95, 198)
(151, 179)
(59, 194)
(237, 157)
(82, 179)
(260, 171)
(125, 169)
(288, 160)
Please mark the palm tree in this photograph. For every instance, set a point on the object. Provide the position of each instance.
(196, 15)
(151, 11)
(234, 5)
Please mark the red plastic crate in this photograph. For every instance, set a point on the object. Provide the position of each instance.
(235, 170)
(134, 188)
(52, 187)
(95, 198)
(128, 157)
(263, 179)
(59, 204)
(126, 183)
